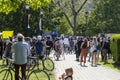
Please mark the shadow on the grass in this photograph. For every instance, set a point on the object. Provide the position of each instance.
(3, 66)
(116, 65)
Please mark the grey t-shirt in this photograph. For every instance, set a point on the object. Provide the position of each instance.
(21, 49)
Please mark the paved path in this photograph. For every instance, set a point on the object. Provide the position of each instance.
(85, 73)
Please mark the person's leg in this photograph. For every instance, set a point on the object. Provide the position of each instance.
(102, 55)
(16, 71)
(85, 55)
(23, 71)
(81, 57)
(77, 55)
(89, 56)
(92, 55)
(95, 58)
(105, 57)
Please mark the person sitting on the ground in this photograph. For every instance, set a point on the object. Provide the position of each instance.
(68, 74)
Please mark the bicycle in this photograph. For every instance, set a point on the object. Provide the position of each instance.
(6, 74)
(47, 63)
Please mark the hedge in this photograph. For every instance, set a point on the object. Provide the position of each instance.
(115, 47)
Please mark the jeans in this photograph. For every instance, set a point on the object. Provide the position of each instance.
(23, 71)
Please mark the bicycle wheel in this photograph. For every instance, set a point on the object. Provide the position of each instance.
(31, 64)
(38, 75)
(5, 74)
(48, 64)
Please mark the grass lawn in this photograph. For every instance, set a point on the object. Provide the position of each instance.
(3, 66)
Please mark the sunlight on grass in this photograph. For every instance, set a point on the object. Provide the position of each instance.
(50, 73)
(110, 64)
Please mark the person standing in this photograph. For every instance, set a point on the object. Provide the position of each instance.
(94, 53)
(8, 49)
(78, 48)
(39, 47)
(48, 45)
(20, 49)
(98, 49)
(83, 53)
(104, 48)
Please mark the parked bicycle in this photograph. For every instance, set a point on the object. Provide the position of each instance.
(7, 73)
(46, 62)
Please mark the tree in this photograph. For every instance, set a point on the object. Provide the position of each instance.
(11, 5)
(71, 9)
(105, 17)
(52, 18)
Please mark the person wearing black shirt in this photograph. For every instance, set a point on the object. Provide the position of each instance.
(83, 52)
(49, 45)
(78, 49)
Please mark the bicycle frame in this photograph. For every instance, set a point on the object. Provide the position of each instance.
(10, 68)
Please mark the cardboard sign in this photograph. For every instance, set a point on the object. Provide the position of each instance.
(7, 34)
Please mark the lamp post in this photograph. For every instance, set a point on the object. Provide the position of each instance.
(86, 16)
(40, 22)
(27, 18)
(88, 7)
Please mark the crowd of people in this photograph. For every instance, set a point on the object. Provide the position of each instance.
(20, 47)
(94, 48)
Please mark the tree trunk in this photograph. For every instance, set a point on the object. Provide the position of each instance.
(74, 28)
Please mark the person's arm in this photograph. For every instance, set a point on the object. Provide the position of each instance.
(28, 49)
(12, 48)
(81, 45)
(102, 45)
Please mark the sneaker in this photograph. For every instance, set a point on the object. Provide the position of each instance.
(80, 64)
(92, 65)
(95, 65)
(77, 60)
(88, 60)
(84, 65)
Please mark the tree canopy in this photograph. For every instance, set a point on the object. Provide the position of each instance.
(6, 6)
(64, 15)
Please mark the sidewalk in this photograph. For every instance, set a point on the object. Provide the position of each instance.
(85, 73)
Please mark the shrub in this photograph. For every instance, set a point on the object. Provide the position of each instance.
(115, 47)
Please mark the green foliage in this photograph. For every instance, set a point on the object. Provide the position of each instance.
(115, 47)
(4, 66)
(105, 17)
(52, 18)
(36, 4)
(6, 6)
